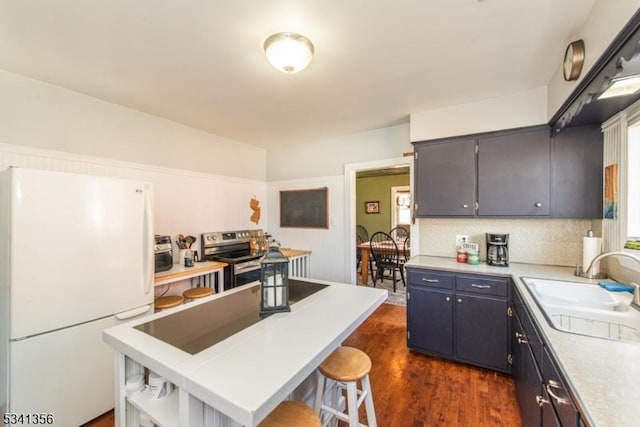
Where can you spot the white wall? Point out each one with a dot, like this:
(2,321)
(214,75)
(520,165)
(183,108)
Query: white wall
(511,111)
(327,245)
(606,19)
(37,114)
(327,157)
(321,164)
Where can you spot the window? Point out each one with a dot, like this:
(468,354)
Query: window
(633,186)
(401,202)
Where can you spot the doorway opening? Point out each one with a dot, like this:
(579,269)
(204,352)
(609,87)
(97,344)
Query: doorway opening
(355,210)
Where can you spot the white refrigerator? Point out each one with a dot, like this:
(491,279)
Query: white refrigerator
(76,257)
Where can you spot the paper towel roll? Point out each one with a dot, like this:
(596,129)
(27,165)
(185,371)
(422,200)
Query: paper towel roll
(591,247)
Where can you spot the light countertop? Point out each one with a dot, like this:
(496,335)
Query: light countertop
(248,374)
(601,373)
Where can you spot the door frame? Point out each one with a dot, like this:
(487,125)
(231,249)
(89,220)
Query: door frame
(350,170)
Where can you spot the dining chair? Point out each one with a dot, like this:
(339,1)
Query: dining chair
(406,249)
(362,233)
(386,256)
(399,233)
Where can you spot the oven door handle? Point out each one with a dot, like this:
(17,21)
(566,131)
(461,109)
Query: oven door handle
(249,266)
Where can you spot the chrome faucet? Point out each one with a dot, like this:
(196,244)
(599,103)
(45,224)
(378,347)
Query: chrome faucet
(636,289)
(589,275)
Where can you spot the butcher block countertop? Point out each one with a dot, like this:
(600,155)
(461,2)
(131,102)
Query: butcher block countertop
(292,253)
(180,272)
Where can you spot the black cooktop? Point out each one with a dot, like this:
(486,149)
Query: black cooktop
(204,325)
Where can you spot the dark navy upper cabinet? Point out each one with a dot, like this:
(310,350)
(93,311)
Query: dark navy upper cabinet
(446,178)
(576,173)
(511,173)
(514,172)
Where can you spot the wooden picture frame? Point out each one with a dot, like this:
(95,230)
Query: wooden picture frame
(304,208)
(372,207)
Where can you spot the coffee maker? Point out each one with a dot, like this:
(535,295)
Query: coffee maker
(498,250)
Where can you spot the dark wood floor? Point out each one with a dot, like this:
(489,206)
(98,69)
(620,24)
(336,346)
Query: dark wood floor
(415,390)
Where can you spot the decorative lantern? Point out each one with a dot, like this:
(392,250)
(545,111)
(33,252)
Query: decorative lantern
(274,278)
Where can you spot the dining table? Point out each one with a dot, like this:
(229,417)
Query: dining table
(365,249)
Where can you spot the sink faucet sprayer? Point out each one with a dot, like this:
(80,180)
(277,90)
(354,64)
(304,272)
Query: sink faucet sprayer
(587,273)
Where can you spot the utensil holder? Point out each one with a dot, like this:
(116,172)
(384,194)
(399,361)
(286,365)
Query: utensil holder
(181,255)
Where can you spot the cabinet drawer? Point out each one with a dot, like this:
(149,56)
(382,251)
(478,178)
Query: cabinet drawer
(557,390)
(488,286)
(431,279)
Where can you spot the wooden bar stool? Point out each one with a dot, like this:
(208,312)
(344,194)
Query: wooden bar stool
(198,292)
(170,301)
(339,372)
(291,413)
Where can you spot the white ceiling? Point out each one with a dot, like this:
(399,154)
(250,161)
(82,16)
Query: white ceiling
(200,62)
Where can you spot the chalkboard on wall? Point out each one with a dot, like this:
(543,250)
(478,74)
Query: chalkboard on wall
(304,208)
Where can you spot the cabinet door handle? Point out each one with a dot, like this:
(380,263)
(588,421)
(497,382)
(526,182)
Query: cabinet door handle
(447,299)
(554,384)
(430,280)
(538,205)
(473,285)
(521,338)
(459,300)
(541,401)
(465,206)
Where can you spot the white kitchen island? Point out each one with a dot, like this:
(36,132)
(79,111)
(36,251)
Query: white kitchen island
(252,364)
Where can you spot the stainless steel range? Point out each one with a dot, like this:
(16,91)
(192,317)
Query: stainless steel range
(236,249)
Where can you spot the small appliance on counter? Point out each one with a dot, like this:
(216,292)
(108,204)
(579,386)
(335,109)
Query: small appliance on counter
(163,253)
(498,250)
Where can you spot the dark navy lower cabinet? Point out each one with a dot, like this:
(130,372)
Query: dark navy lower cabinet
(541,391)
(459,316)
(431,317)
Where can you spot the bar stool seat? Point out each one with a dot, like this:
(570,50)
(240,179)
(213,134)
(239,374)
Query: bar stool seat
(291,413)
(195,293)
(169,301)
(340,372)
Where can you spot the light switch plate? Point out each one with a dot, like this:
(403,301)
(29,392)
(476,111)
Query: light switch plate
(461,239)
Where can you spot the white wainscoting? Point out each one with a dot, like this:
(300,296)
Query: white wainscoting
(185,202)
(326,245)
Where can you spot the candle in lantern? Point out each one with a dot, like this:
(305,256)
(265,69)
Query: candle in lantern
(271,294)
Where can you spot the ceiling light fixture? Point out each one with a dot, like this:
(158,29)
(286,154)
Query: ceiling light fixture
(288,52)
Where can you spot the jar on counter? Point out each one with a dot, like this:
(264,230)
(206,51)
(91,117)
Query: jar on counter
(473,257)
(461,256)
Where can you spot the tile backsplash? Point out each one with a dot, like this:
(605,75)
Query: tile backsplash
(533,241)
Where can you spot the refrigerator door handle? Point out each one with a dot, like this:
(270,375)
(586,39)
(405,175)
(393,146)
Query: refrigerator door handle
(133,313)
(148,241)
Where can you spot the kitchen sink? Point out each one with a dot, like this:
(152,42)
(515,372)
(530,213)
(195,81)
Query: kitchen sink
(586,309)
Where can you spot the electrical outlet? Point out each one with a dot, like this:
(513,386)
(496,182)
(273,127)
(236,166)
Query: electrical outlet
(461,239)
